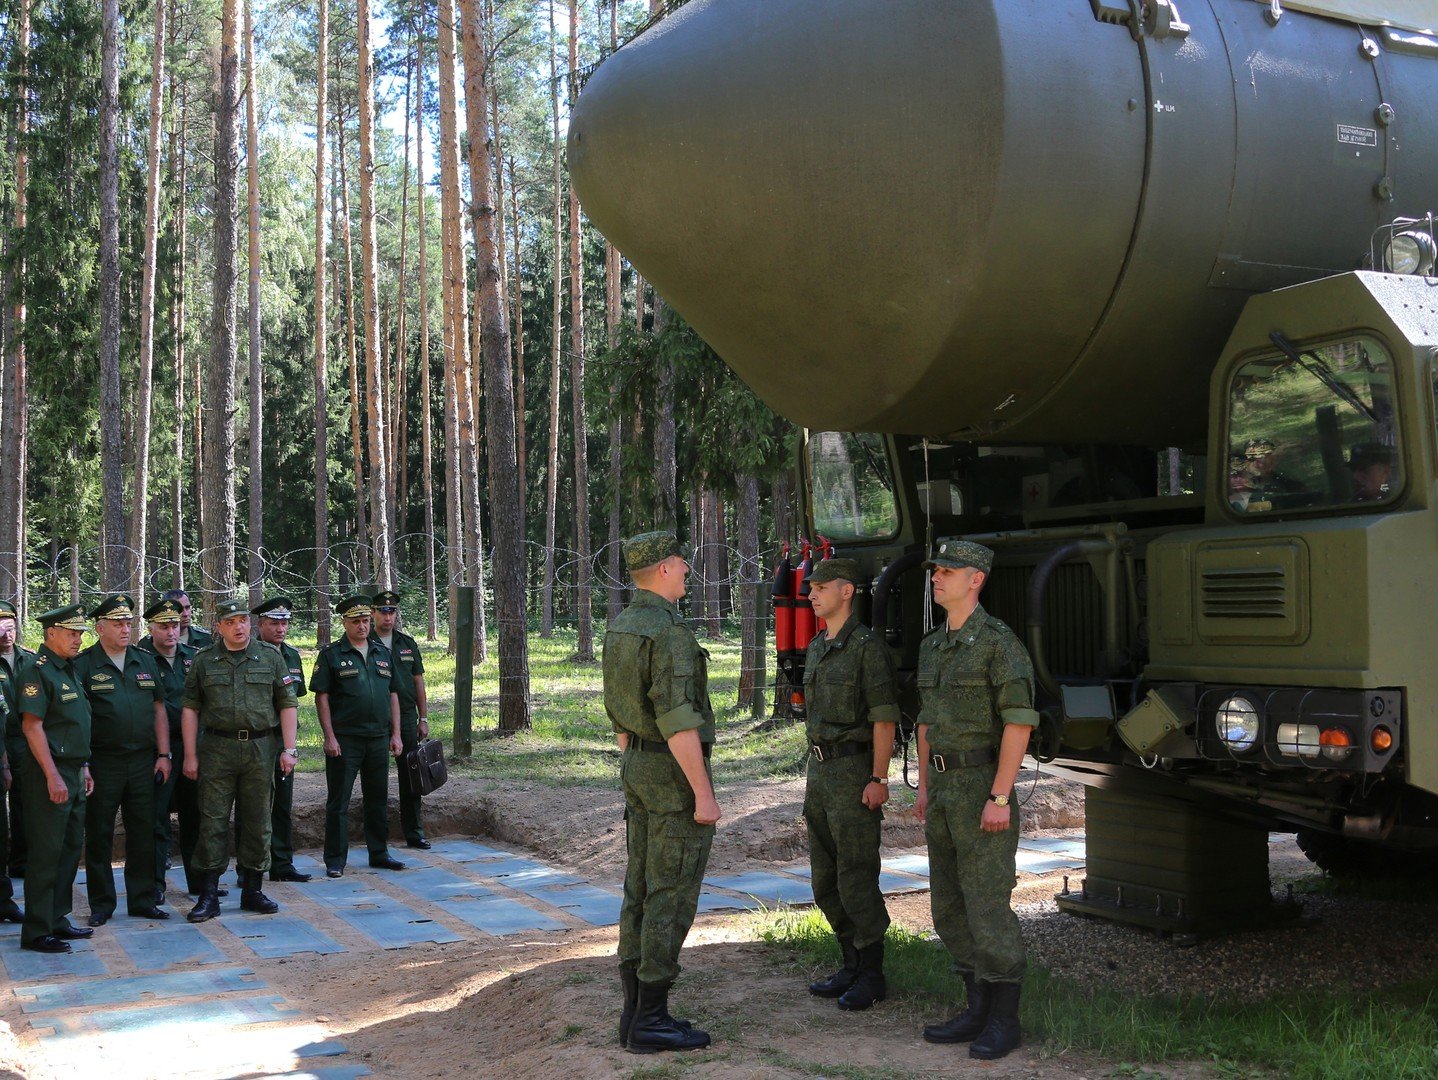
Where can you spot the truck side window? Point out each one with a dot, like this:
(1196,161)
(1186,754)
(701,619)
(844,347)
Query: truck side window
(851,486)
(1314,434)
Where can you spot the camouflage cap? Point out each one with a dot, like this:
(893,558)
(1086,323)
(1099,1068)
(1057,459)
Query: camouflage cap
(276,607)
(115,606)
(650,548)
(958,554)
(8,609)
(70,617)
(385,600)
(163,611)
(354,607)
(227,609)
(1365,454)
(835,570)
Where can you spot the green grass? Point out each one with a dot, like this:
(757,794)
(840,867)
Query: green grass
(1389,1034)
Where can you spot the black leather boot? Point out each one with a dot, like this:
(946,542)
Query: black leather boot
(835,985)
(251,898)
(966,1026)
(869,987)
(1001,1033)
(207,902)
(629,979)
(652,1029)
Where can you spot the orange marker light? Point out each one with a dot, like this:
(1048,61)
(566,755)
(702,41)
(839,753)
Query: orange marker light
(1335,736)
(1381,740)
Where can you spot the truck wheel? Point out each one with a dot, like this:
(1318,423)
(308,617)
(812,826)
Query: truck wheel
(1344,857)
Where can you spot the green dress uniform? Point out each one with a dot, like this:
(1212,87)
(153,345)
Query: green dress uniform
(282,840)
(973,681)
(359,685)
(122,764)
(656,685)
(12,861)
(55,832)
(179,791)
(407,664)
(848,687)
(238,696)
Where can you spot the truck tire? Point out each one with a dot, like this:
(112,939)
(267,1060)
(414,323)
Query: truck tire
(1344,857)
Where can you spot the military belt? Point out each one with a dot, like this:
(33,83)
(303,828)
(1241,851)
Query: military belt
(244,734)
(830,751)
(649,746)
(959,759)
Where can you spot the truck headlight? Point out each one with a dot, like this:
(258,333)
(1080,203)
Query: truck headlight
(1410,253)
(1236,724)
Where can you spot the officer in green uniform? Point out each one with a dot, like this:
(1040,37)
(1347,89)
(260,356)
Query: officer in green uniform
(196,637)
(12,753)
(172,660)
(413,704)
(976,689)
(273,622)
(358,709)
(657,696)
(852,715)
(238,693)
(129,756)
(56,720)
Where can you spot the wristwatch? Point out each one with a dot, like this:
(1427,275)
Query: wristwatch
(999,800)
(292,751)
(166,757)
(879,780)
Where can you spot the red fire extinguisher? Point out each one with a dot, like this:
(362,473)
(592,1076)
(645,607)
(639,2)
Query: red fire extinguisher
(782,590)
(803,610)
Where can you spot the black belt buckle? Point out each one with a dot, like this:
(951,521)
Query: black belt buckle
(937,761)
(817,752)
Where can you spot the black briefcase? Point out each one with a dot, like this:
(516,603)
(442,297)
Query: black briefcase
(422,769)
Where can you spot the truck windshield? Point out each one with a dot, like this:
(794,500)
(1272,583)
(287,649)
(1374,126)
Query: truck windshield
(1317,432)
(851,486)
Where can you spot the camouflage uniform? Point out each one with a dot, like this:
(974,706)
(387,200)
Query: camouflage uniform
(179,790)
(848,687)
(359,688)
(12,834)
(122,764)
(973,681)
(238,696)
(407,664)
(655,686)
(282,842)
(55,832)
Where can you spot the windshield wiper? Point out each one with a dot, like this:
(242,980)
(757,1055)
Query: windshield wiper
(1319,370)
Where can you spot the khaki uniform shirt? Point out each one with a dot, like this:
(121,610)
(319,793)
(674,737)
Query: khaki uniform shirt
(235,691)
(656,677)
(973,681)
(122,703)
(407,664)
(50,689)
(848,685)
(359,686)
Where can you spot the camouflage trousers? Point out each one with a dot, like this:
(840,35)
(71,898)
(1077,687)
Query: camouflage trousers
(124,784)
(238,775)
(844,849)
(971,876)
(668,851)
(56,835)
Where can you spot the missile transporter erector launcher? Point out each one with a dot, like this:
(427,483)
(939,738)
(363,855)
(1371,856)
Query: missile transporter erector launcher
(1029,247)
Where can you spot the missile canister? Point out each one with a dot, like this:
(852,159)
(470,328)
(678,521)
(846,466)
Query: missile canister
(1002,220)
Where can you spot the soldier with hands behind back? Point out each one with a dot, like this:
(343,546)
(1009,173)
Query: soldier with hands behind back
(413,704)
(172,661)
(273,621)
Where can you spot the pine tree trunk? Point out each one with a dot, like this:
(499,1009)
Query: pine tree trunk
(521,439)
(666,495)
(321,361)
(716,569)
(113,559)
(379,481)
(140,502)
(509,598)
(584,600)
(177,486)
(551,477)
(256,483)
(218,444)
(14,430)
(751,619)
(399,412)
(362,530)
(426,406)
(613,313)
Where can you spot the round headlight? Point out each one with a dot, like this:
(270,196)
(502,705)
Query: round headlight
(1237,724)
(1410,253)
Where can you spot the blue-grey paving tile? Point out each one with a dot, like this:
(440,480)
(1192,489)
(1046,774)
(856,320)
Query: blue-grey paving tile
(907,864)
(531,881)
(890,883)
(132,989)
(1037,864)
(433,883)
(510,864)
(598,907)
(771,888)
(499,916)
(117,874)
(280,935)
(392,925)
(327,1072)
(224,1012)
(156,946)
(1049,843)
(10,929)
(463,851)
(27,966)
(711,901)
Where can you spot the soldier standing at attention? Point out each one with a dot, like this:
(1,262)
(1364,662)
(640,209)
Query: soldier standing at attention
(359,714)
(657,697)
(239,691)
(12,753)
(413,705)
(273,616)
(56,720)
(173,661)
(129,750)
(976,690)
(195,637)
(853,713)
